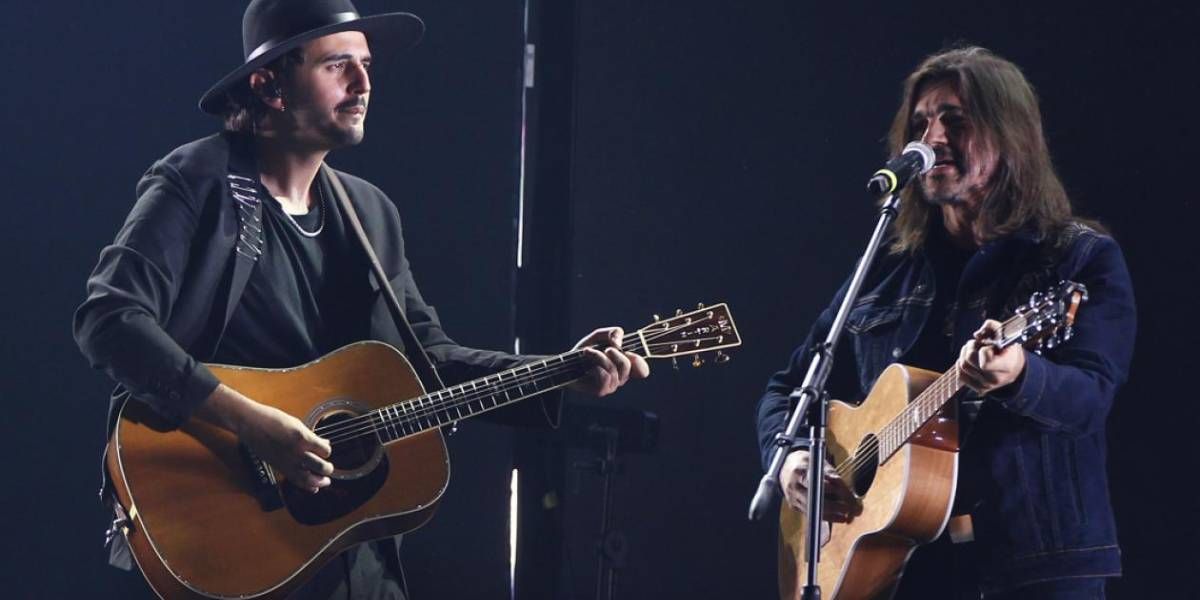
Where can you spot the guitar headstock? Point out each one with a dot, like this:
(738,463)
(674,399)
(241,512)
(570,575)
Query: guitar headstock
(708,328)
(1047,319)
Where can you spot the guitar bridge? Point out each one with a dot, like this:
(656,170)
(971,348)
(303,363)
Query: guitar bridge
(121,523)
(266,488)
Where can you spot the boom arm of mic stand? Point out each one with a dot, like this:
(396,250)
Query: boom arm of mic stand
(813,388)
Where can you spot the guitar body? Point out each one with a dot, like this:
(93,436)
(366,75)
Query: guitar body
(207,524)
(907,501)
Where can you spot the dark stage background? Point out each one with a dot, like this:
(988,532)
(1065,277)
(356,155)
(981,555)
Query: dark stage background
(718,154)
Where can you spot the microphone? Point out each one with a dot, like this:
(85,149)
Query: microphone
(915,158)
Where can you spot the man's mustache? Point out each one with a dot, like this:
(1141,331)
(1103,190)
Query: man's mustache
(355,103)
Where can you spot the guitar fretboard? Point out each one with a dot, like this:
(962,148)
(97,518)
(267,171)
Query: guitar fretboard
(929,402)
(705,329)
(465,400)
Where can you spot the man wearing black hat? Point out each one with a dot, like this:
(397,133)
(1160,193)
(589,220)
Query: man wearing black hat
(238,252)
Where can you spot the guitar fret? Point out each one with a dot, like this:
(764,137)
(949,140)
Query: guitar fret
(385,428)
(388,422)
(377,426)
(392,425)
(464,400)
(412,414)
(429,412)
(400,419)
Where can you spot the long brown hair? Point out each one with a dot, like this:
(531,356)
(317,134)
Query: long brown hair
(1003,109)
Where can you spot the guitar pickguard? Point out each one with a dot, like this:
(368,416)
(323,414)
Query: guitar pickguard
(338,500)
(360,464)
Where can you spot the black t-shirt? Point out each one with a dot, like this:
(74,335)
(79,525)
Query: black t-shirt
(308,295)
(934,348)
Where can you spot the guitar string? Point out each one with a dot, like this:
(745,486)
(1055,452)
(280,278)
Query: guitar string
(426,411)
(541,369)
(892,431)
(947,386)
(425,406)
(887,434)
(398,420)
(943,385)
(395,418)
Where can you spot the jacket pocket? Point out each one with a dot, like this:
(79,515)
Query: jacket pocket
(866,319)
(874,334)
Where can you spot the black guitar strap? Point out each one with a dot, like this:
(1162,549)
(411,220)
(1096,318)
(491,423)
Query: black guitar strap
(413,349)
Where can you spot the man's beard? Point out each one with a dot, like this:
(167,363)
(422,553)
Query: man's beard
(348,136)
(939,196)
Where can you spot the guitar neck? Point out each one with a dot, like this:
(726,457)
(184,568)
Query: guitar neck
(702,330)
(463,401)
(935,397)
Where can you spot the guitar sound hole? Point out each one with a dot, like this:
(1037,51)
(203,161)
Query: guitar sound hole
(359,462)
(351,449)
(866,463)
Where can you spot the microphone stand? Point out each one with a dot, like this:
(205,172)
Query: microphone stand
(812,407)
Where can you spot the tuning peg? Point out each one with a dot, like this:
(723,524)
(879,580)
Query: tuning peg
(675,363)
(697,361)
(700,305)
(721,358)
(655,318)
(678,312)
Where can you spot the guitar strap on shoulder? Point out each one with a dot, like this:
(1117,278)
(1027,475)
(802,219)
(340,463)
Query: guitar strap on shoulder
(415,351)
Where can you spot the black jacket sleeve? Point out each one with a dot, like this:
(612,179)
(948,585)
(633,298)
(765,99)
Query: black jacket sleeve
(774,405)
(120,326)
(1072,388)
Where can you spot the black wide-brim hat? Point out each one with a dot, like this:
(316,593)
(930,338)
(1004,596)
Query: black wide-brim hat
(270,28)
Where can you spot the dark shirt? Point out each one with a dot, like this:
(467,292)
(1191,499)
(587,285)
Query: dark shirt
(306,297)
(934,349)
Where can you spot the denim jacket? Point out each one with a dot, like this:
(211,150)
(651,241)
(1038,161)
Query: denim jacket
(1032,471)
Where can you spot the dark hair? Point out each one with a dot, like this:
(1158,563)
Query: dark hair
(243,108)
(1003,109)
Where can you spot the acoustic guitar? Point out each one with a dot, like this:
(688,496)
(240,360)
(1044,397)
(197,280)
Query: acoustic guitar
(898,452)
(207,519)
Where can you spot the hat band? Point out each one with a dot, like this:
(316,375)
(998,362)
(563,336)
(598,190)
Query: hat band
(335,19)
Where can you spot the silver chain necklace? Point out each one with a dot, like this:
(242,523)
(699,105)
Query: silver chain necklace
(320,207)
